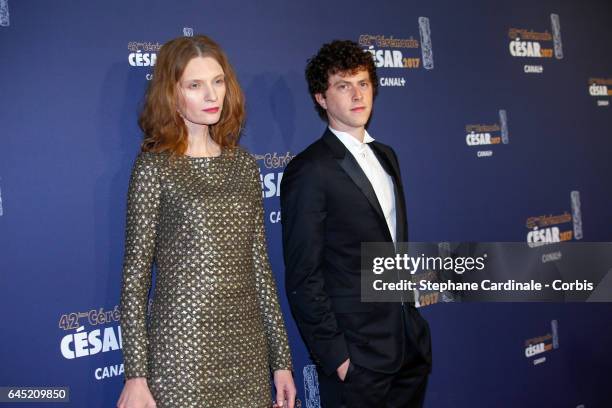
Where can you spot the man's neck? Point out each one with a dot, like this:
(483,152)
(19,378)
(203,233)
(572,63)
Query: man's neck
(357,133)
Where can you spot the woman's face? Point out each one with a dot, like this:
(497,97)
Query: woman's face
(201,91)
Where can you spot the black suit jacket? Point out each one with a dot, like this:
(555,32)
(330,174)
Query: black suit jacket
(328,209)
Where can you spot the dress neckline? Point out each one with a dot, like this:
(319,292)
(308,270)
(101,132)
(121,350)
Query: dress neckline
(206,158)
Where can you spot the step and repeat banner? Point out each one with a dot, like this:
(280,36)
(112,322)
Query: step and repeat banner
(499,113)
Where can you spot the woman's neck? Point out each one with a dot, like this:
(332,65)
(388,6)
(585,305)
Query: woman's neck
(200,144)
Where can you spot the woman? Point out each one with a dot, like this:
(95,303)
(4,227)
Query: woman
(195,208)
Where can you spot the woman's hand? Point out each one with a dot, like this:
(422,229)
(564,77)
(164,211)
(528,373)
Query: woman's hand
(136,394)
(285,389)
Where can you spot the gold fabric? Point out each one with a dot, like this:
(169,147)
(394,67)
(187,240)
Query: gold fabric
(215,327)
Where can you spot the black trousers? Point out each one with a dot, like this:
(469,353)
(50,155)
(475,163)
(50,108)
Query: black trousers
(364,388)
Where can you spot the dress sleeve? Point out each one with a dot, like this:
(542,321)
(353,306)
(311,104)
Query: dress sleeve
(140,237)
(274,325)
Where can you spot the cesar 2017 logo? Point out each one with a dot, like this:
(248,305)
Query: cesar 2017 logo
(390,52)
(4,14)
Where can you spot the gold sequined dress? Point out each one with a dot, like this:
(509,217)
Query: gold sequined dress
(215,328)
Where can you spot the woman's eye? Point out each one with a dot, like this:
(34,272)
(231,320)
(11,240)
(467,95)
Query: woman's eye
(194,85)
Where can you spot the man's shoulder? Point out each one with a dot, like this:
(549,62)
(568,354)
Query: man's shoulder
(384,147)
(315,151)
(313,154)
(387,150)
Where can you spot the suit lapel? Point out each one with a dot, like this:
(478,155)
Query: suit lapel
(348,163)
(388,164)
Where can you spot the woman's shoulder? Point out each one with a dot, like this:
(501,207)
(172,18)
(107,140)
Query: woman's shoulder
(242,156)
(152,157)
(150,160)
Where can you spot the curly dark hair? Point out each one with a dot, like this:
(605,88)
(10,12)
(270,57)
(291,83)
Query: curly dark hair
(343,56)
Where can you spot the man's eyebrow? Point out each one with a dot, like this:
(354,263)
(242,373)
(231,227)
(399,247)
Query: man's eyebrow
(339,81)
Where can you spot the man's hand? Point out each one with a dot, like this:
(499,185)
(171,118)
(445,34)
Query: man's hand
(285,389)
(342,370)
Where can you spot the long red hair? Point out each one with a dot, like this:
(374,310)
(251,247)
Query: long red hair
(162,125)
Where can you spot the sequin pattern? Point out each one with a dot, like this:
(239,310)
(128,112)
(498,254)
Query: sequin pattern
(215,327)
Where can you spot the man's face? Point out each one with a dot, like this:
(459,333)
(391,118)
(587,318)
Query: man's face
(348,101)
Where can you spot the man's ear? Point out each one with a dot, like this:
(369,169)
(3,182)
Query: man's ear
(320,98)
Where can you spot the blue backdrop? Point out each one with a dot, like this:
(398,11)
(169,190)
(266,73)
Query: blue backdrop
(499,113)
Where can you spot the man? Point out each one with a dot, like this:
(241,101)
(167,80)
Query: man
(345,189)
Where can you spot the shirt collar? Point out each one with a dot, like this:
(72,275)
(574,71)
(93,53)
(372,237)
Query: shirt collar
(351,142)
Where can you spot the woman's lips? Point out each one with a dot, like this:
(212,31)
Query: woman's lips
(211,110)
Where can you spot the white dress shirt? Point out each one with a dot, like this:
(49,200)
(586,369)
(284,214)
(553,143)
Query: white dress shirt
(381,182)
